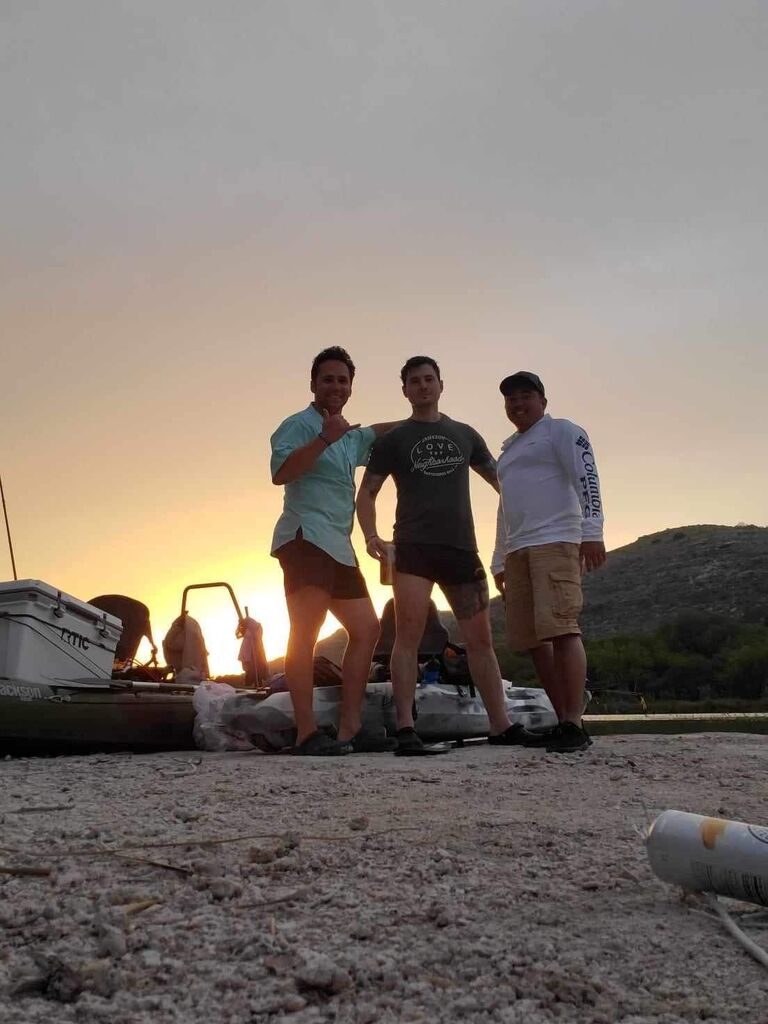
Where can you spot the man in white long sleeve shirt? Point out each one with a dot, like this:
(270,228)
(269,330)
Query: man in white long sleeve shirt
(550,529)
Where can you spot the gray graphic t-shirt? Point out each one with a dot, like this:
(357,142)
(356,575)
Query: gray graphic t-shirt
(430,465)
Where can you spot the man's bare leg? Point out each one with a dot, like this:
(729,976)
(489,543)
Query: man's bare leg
(570,661)
(307,608)
(469,603)
(359,619)
(412,594)
(543,658)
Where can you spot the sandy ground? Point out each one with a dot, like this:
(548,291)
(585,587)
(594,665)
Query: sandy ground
(483,885)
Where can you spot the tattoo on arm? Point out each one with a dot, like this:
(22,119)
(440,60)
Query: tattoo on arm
(372,483)
(487,470)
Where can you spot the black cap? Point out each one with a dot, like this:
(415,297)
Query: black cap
(521,379)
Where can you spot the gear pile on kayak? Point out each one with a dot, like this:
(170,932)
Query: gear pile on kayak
(231,719)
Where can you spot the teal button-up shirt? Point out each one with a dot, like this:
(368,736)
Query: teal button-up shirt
(322,501)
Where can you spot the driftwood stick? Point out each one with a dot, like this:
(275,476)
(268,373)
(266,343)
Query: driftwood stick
(129,909)
(41,810)
(270,903)
(274,835)
(214,842)
(21,869)
(151,863)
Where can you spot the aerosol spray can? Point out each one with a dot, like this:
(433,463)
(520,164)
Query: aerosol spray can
(710,855)
(387,566)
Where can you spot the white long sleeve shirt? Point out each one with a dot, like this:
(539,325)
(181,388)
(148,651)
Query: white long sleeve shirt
(550,490)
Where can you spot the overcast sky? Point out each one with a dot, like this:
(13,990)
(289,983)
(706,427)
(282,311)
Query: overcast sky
(198,197)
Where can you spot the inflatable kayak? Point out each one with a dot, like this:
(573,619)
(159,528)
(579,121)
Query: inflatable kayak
(444,712)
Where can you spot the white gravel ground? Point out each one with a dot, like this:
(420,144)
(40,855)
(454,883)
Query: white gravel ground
(494,885)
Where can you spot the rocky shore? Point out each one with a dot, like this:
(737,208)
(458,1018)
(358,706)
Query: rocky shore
(487,885)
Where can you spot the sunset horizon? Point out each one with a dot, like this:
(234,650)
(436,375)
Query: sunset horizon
(199,204)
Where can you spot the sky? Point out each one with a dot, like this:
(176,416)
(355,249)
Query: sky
(198,197)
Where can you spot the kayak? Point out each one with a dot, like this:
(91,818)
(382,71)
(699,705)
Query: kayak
(443,712)
(51,716)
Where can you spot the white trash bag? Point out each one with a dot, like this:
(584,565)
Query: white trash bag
(444,712)
(269,723)
(530,706)
(210,729)
(450,712)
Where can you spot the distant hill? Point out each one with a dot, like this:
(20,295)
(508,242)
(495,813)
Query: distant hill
(722,569)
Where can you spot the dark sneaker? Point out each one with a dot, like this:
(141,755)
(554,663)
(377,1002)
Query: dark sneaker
(373,741)
(320,744)
(540,739)
(567,739)
(408,741)
(514,736)
(409,744)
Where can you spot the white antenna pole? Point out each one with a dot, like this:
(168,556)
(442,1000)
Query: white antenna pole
(8,530)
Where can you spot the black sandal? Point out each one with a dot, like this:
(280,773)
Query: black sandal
(410,744)
(320,744)
(373,741)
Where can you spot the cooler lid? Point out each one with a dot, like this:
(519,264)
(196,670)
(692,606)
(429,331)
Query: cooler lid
(34,590)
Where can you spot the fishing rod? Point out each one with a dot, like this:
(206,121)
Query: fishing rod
(8,529)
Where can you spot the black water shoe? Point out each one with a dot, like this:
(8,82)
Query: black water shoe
(540,739)
(373,741)
(568,738)
(320,744)
(410,744)
(513,736)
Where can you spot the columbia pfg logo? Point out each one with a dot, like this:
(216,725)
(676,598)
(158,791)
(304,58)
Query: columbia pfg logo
(582,442)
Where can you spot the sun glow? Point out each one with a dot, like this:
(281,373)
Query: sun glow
(217,617)
(255,580)
(218,621)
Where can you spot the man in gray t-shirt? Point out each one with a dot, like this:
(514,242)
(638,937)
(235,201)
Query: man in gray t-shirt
(430,463)
(429,456)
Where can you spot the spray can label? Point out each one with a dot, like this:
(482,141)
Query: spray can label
(703,854)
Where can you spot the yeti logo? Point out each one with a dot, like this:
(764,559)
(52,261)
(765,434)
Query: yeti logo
(435,455)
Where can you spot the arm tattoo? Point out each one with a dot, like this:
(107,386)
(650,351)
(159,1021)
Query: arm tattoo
(372,483)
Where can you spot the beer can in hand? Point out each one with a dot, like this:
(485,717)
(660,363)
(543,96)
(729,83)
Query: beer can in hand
(387,567)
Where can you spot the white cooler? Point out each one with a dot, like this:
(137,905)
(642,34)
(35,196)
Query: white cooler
(46,634)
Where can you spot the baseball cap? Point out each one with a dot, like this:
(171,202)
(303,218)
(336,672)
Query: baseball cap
(521,379)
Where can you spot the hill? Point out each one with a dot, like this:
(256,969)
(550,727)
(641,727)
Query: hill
(719,569)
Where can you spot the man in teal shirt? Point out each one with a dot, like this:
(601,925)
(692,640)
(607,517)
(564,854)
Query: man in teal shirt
(314,455)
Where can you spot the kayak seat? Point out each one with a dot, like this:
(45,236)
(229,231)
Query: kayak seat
(435,643)
(433,640)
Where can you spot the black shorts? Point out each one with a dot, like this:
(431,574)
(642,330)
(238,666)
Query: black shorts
(440,563)
(306,565)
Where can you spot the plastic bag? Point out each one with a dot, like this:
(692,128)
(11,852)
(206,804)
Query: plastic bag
(270,725)
(530,706)
(210,731)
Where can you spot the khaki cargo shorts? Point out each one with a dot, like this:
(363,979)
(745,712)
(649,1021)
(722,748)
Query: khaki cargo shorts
(543,593)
